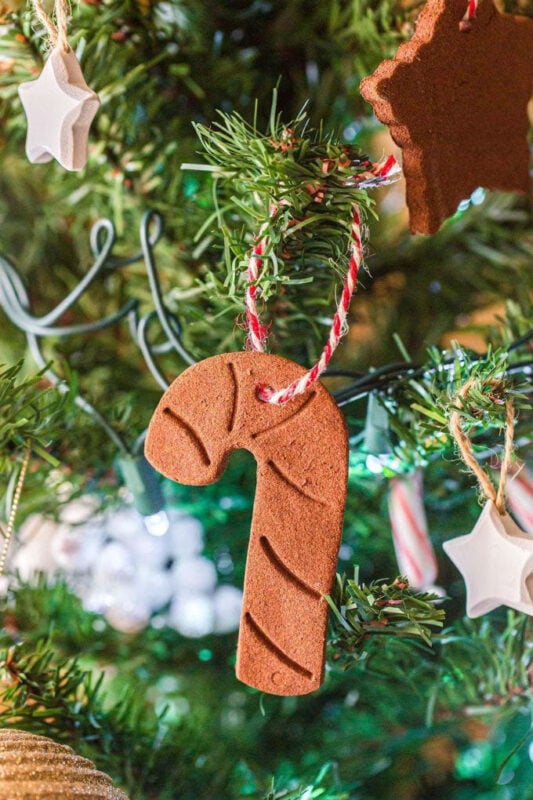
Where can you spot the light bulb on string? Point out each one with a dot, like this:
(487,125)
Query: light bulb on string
(477,198)
(372,452)
(143,484)
(157,524)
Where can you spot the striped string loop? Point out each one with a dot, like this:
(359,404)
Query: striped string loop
(378,174)
(466,23)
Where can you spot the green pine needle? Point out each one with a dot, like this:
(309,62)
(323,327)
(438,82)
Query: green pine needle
(30,413)
(293,182)
(361,613)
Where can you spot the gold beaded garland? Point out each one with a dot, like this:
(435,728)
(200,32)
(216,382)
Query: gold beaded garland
(36,768)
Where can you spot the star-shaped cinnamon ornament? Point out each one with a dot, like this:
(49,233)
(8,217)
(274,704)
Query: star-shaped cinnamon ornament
(456,103)
(60,108)
(496,561)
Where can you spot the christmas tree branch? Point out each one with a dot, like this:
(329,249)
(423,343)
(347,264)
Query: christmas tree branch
(31,415)
(48,691)
(361,613)
(420,400)
(54,696)
(293,184)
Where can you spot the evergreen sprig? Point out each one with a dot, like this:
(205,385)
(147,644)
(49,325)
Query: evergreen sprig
(294,184)
(316,790)
(51,695)
(475,669)
(420,405)
(381,609)
(482,672)
(31,414)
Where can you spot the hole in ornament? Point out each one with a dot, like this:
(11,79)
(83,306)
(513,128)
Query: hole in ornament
(529,586)
(261,390)
(287,420)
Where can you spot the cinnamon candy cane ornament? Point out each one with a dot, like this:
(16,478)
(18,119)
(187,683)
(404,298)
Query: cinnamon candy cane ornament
(301,450)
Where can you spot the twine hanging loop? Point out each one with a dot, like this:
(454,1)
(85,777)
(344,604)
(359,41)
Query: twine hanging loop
(57,31)
(378,174)
(467,452)
(470,14)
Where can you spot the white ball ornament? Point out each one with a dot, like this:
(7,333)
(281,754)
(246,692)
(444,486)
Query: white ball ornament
(76,549)
(156,587)
(186,535)
(192,615)
(35,555)
(129,612)
(124,524)
(227,602)
(195,575)
(151,551)
(80,511)
(123,572)
(115,565)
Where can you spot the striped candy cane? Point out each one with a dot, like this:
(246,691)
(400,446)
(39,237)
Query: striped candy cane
(377,175)
(414,551)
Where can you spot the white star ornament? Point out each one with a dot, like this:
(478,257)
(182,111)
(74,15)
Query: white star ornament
(59,107)
(496,562)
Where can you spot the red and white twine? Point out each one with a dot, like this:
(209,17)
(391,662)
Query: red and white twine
(257,332)
(466,23)
(378,174)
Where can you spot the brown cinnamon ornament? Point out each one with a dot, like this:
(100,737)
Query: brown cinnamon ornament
(456,103)
(301,450)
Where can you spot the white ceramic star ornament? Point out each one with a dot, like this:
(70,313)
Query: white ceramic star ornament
(60,108)
(496,558)
(496,562)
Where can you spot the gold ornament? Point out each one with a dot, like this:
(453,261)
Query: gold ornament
(36,768)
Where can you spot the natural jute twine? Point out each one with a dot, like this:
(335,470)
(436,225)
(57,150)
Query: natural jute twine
(57,31)
(465,447)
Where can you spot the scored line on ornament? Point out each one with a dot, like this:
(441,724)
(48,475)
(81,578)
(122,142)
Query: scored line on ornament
(289,419)
(271,645)
(189,430)
(235,395)
(294,486)
(280,565)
